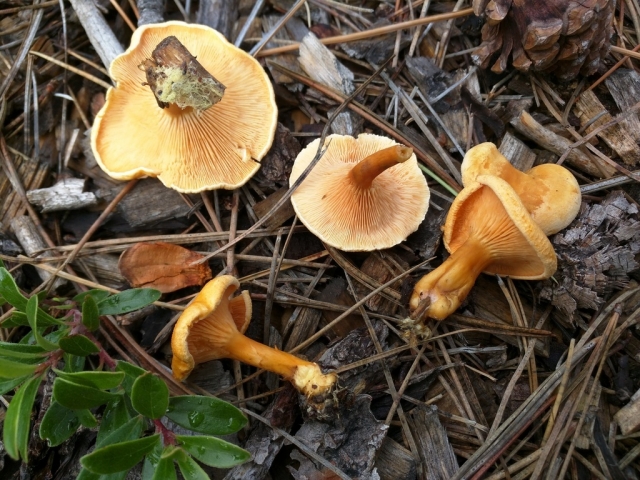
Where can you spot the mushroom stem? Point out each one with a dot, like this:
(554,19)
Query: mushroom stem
(365,172)
(305,376)
(449,284)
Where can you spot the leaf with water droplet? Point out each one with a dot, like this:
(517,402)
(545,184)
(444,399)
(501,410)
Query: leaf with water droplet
(189,469)
(205,415)
(213,451)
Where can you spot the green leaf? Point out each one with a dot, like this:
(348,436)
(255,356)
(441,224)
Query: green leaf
(11,369)
(151,461)
(58,424)
(17,319)
(86,418)
(32,316)
(165,470)
(205,414)
(73,363)
(17,419)
(213,451)
(150,396)
(119,456)
(9,291)
(97,379)
(78,345)
(6,349)
(97,294)
(128,301)
(132,373)
(87,475)
(76,396)
(8,385)
(128,431)
(114,416)
(90,314)
(188,466)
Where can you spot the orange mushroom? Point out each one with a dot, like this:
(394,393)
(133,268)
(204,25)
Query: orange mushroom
(213,326)
(365,193)
(187,149)
(488,229)
(550,192)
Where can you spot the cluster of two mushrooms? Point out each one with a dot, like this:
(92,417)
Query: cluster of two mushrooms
(169,118)
(497,224)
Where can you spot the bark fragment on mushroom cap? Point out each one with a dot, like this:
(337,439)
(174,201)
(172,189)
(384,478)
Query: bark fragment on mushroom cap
(351,218)
(550,192)
(132,137)
(203,329)
(519,247)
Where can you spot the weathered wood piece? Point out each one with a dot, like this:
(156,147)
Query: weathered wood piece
(349,441)
(150,11)
(394,462)
(150,203)
(287,60)
(436,454)
(517,152)
(587,107)
(530,128)
(628,417)
(219,15)
(323,67)
(175,76)
(67,194)
(32,174)
(97,29)
(596,254)
(104,267)
(31,242)
(284,213)
(624,86)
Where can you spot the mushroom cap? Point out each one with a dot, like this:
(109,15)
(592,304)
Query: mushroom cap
(550,192)
(219,148)
(520,249)
(348,217)
(204,327)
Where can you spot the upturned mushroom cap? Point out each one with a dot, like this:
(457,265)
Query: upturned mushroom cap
(550,192)
(351,218)
(203,329)
(133,137)
(488,229)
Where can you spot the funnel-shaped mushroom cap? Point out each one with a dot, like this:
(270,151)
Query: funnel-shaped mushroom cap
(550,192)
(488,229)
(204,328)
(212,327)
(345,215)
(133,137)
(519,247)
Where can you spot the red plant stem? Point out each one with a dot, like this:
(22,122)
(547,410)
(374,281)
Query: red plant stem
(168,437)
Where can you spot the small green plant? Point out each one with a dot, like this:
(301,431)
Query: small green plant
(131,402)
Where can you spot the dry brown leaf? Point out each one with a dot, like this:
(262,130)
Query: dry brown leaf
(163,266)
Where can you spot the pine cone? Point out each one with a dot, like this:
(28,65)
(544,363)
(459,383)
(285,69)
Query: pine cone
(564,37)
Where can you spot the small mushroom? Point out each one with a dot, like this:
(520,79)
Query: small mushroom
(213,326)
(550,192)
(189,150)
(488,229)
(365,193)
